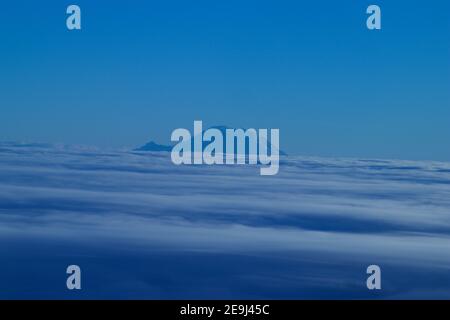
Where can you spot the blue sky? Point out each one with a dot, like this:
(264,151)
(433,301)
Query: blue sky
(138,70)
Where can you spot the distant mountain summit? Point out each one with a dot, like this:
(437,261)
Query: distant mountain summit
(153,146)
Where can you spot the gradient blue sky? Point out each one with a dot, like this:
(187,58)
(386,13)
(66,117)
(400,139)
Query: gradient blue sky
(139,69)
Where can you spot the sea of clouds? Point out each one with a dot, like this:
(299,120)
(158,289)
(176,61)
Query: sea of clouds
(141,227)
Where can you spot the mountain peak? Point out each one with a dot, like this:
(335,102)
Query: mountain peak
(153,146)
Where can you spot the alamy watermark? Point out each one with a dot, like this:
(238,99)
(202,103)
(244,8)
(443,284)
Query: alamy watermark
(227,146)
(73,21)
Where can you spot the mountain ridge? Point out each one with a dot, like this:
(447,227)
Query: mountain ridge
(152,146)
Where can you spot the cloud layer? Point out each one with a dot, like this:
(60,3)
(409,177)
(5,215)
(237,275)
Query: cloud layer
(143,226)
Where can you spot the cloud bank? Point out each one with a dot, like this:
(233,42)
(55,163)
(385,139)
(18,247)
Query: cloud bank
(308,232)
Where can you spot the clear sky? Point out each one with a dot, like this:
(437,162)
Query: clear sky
(139,69)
